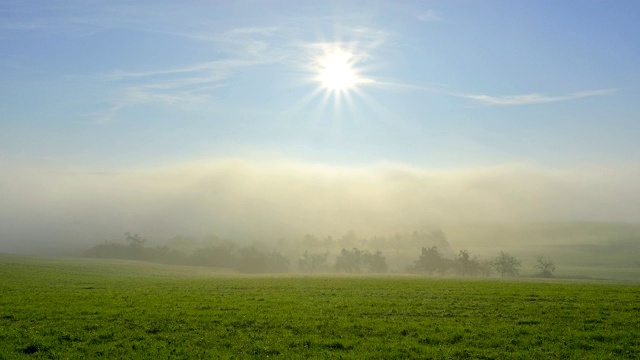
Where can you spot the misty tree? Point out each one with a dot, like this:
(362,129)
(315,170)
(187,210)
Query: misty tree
(327,243)
(357,261)
(134,249)
(224,255)
(431,260)
(183,243)
(135,240)
(486,268)
(545,265)
(254,260)
(313,262)
(438,238)
(375,263)
(466,265)
(415,239)
(109,250)
(349,261)
(506,264)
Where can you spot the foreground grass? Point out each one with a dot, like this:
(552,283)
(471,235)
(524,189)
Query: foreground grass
(88,308)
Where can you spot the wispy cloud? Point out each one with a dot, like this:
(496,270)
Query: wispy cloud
(531,99)
(241,47)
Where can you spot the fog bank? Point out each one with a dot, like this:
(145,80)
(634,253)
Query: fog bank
(44,209)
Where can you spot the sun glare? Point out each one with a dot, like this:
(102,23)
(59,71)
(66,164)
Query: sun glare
(336,72)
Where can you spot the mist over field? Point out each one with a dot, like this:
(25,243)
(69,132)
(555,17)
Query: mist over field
(319,179)
(63,211)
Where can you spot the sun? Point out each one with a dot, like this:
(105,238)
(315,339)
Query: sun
(339,71)
(336,71)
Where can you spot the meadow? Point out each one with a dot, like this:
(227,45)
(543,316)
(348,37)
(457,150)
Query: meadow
(89,308)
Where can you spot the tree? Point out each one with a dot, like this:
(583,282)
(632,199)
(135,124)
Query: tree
(486,268)
(349,261)
(431,260)
(506,264)
(223,254)
(546,266)
(135,241)
(465,265)
(438,238)
(374,263)
(357,261)
(252,259)
(313,262)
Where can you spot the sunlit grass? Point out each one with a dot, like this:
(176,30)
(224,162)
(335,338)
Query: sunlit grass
(87,308)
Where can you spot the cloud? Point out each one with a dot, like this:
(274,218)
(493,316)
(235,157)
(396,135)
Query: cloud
(243,47)
(272,198)
(530,99)
(237,48)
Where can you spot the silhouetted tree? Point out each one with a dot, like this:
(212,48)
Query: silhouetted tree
(374,263)
(546,266)
(506,264)
(465,265)
(135,240)
(357,261)
(349,261)
(431,261)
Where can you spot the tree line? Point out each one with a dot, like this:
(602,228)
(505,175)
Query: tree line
(260,259)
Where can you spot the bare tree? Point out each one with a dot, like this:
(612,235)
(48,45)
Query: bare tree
(545,265)
(135,241)
(506,264)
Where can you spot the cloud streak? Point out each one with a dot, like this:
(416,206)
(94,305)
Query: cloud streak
(532,99)
(241,48)
(244,47)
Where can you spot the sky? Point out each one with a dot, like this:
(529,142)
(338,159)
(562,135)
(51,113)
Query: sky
(161,116)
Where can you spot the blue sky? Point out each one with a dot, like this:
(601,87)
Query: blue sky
(227,117)
(454,83)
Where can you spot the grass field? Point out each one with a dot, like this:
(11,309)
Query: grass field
(67,308)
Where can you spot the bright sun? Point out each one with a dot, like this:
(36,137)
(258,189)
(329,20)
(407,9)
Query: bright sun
(336,72)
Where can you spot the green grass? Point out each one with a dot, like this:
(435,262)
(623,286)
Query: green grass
(51,308)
